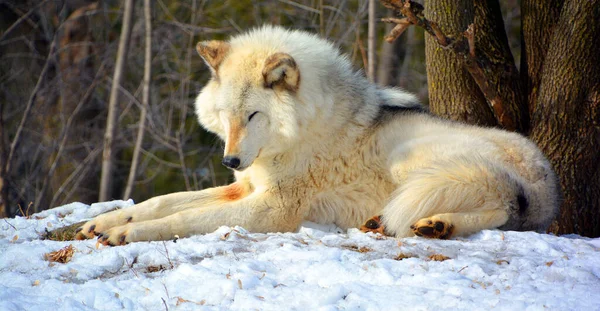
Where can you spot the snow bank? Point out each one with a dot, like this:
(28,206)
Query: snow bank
(318,268)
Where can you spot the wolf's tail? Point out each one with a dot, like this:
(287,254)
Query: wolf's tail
(467,185)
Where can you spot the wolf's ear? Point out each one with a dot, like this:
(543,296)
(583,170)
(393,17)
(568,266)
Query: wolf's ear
(281,70)
(213,53)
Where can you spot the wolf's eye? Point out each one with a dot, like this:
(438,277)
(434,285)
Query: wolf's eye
(252,116)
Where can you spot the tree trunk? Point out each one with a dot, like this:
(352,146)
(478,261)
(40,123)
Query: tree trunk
(538,19)
(145,100)
(500,70)
(566,119)
(452,92)
(107,155)
(371,44)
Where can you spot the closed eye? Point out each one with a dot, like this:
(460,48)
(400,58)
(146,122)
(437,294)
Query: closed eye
(252,116)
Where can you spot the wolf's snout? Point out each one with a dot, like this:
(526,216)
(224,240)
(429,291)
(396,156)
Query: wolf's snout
(231,162)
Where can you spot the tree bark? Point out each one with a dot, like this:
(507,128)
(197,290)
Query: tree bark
(566,119)
(500,70)
(538,19)
(107,155)
(452,92)
(145,100)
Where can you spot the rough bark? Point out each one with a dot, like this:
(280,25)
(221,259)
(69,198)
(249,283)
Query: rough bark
(566,119)
(107,155)
(452,92)
(500,70)
(145,100)
(538,19)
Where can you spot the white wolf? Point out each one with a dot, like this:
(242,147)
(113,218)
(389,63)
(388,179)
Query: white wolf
(311,139)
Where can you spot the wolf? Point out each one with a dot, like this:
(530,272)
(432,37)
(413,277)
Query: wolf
(309,138)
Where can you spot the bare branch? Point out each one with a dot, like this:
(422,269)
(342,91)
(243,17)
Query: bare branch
(21,19)
(470,35)
(17,139)
(401,25)
(65,134)
(479,66)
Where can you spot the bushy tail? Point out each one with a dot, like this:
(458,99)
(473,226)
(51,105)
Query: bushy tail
(451,186)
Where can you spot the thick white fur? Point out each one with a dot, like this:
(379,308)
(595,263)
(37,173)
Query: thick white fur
(340,150)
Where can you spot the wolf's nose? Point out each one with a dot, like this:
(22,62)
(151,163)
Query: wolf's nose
(231,162)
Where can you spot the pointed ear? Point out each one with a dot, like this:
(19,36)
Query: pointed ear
(213,53)
(281,70)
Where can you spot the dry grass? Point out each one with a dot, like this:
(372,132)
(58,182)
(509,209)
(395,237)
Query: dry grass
(402,256)
(62,234)
(438,257)
(151,269)
(62,255)
(355,248)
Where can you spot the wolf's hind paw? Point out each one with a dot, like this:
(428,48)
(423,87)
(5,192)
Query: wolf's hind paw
(375,225)
(433,229)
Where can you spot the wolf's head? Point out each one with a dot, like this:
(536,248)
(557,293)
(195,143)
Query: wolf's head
(256,100)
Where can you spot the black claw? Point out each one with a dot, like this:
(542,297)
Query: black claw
(439,226)
(92,228)
(122,239)
(429,222)
(100,236)
(413,227)
(129,219)
(418,234)
(78,229)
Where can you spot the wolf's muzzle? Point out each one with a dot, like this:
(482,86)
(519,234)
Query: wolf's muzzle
(231,162)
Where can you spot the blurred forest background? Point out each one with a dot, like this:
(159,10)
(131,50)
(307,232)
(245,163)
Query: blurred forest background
(57,63)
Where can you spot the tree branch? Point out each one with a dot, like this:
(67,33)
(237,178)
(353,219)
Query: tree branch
(481,68)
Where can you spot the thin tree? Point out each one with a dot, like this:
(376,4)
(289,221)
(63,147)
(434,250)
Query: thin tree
(371,44)
(145,100)
(109,135)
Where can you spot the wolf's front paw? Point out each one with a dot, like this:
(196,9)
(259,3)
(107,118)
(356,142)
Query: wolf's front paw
(101,223)
(433,228)
(120,235)
(87,231)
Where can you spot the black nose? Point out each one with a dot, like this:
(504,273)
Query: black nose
(231,162)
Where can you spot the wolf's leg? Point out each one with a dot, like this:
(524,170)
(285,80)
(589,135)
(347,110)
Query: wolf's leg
(162,206)
(444,226)
(257,214)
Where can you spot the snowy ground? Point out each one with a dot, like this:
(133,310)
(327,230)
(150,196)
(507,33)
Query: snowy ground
(314,269)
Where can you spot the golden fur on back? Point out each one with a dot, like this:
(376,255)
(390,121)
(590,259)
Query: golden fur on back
(311,139)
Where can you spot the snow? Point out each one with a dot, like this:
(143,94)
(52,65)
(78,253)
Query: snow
(317,268)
